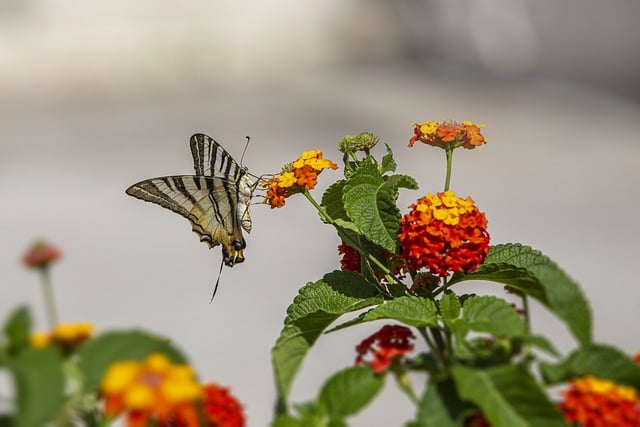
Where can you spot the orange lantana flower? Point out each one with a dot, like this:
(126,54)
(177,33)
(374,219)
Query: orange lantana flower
(445,234)
(221,408)
(41,254)
(595,402)
(448,134)
(296,177)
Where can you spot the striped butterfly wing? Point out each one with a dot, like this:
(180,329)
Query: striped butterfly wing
(215,200)
(211,159)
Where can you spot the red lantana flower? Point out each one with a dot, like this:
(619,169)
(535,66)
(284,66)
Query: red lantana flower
(350,258)
(221,408)
(41,254)
(593,402)
(444,234)
(389,343)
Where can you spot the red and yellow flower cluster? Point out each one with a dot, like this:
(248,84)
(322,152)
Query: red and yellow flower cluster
(166,394)
(593,402)
(389,343)
(445,234)
(296,177)
(448,134)
(41,254)
(66,335)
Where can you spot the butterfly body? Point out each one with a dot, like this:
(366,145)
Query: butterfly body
(215,200)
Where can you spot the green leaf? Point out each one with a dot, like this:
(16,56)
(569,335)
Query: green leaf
(493,315)
(370,204)
(286,421)
(542,343)
(518,278)
(598,360)
(410,310)
(508,396)
(312,311)
(96,355)
(449,307)
(388,163)
(332,200)
(441,406)
(39,383)
(349,390)
(560,293)
(6,421)
(18,328)
(402,181)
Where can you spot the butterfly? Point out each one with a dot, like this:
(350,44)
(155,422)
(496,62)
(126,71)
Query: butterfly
(215,200)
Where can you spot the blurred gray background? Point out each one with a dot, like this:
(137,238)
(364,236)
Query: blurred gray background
(95,96)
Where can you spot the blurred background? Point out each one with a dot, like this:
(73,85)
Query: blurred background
(95,96)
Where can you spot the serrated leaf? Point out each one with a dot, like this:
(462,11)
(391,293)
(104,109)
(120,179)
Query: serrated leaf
(493,315)
(96,355)
(508,396)
(598,360)
(312,311)
(449,307)
(346,392)
(518,278)
(402,181)
(39,383)
(410,310)
(18,328)
(332,200)
(440,406)
(559,292)
(370,204)
(388,163)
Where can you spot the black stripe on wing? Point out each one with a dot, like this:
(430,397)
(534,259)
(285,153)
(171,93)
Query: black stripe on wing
(211,159)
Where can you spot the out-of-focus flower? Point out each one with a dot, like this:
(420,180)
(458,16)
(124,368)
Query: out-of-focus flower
(388,344)
(595,402)
(296,177)
(67,335)
(448,134)
(351,261)
(152,391)
(361,142)
(445,234)
(637,357)
(221,407)
(41,254)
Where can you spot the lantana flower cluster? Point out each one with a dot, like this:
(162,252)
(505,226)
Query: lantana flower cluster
(388,344)
(594,402)
(41,254)
(296,177)
(445,234)
(448,134)
(166,394)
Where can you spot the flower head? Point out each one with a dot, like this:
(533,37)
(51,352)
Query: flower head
(361,142)
(388,344)
(41,254)
(592,401)
(448,134)
(67,335)
(445,234)
(296,177)
(154,390)
(221,408)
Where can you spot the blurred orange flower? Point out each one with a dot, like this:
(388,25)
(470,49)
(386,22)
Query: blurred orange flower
(68,335)
(41,254)
(152,391)
(389,343)
(591,401)
(221,408)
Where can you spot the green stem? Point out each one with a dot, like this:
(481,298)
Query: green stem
(356,245)
(445,284)
(437,354)
(447,182)
(49,300)
(405,385)
(527,322)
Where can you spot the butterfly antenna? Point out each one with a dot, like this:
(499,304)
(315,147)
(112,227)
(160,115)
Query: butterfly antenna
(215,289)
(246,145)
